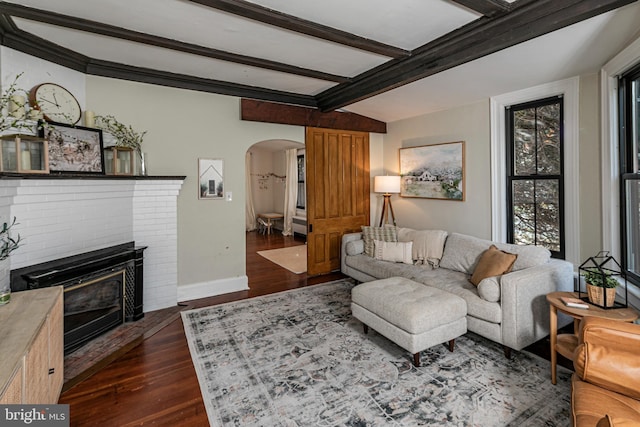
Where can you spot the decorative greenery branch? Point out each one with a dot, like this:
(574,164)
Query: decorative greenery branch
(6,98)
(125,135)
(7,243)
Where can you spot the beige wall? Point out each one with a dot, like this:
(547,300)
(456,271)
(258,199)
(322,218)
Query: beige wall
(469,123)
(590,174)
(262,189)
(183,126)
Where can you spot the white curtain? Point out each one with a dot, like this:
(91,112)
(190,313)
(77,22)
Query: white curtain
(290,191)
(250,212)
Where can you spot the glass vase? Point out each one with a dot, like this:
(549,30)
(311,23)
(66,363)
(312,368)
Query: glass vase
(5,281)
(143,164)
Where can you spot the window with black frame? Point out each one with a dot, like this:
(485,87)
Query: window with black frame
(629,95)
(535,201)
(302,188)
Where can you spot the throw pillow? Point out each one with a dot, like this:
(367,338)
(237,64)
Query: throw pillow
(386,233)
(354,247)
(493,262)
(489,289)
(393,251)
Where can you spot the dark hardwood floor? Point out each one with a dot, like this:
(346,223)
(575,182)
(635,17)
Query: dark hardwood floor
(155,383)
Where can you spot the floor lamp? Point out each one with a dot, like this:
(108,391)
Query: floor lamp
(386,185)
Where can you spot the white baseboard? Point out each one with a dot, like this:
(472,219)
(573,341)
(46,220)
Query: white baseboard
(213,288)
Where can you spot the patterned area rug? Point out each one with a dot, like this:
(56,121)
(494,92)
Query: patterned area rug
(293,258)
(299,358)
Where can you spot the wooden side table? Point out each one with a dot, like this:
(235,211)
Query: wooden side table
(565,344)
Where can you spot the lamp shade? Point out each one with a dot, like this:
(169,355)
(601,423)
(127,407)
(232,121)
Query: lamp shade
(386,184)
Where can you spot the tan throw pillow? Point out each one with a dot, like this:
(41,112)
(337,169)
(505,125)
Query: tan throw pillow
(493,262)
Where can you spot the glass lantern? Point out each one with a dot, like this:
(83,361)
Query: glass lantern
(118,160)
(24,154)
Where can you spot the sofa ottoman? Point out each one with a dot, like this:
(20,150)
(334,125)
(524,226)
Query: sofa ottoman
(412,315)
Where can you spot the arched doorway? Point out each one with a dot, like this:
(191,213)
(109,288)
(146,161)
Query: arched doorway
(266,172)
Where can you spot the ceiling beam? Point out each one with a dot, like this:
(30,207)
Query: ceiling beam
(152,40)
(486,7)
(282,20)
(183,81)
(270,112)
(475,40)
(44,49)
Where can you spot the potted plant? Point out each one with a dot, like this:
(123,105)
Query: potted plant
(7,245)
(600,283)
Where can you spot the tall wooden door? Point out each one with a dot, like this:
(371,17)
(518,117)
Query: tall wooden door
(338,193)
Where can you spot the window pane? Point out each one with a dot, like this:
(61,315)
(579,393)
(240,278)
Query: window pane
(633,226)
(302,196)
(548,141)
(536,213)
(548,214)
(524,142)
(524,212)
(301,176)
(536,135)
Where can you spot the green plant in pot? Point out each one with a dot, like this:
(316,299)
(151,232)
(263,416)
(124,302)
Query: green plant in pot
(8,244)
(600,283)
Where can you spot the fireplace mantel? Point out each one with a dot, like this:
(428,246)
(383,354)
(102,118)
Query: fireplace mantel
(12,175)
(62,215)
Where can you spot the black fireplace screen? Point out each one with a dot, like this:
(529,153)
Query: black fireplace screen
(93,307)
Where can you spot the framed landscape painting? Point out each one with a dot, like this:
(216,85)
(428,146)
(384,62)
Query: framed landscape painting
(433,171)
(74,149)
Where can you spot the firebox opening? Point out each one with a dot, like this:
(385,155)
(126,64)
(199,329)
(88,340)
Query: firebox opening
(93,307)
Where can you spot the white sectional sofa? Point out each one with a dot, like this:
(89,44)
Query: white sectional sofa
(510,309)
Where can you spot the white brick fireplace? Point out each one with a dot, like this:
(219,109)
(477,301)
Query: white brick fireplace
(63,216)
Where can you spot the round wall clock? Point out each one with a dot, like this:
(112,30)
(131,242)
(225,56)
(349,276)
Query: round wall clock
(56,103)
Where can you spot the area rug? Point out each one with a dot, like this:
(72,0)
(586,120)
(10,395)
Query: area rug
(299,358)
(293,258)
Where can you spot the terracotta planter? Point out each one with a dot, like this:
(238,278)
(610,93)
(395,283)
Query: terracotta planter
(596,295)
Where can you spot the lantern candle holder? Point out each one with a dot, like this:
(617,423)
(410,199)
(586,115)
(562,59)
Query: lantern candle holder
(118,160)
(24,154)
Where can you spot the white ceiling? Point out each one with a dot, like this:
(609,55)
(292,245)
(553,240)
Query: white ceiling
(408,24)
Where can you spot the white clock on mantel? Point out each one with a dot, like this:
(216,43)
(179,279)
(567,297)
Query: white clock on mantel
(56,103)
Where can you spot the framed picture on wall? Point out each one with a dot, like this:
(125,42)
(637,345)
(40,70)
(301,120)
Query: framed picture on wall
(210,179)
(73,149)
(433,171)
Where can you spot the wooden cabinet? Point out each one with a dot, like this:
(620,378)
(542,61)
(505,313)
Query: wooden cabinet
(31,350)
(13,391)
